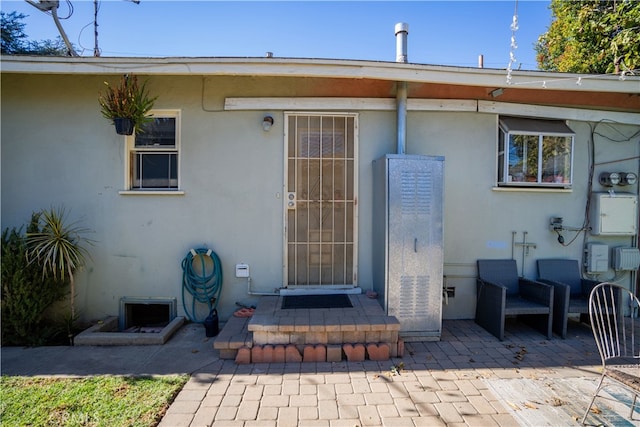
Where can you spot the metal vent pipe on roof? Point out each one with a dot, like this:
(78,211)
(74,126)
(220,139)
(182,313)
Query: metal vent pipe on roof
(401,30)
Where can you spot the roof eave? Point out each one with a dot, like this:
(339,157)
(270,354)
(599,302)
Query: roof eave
(328,68)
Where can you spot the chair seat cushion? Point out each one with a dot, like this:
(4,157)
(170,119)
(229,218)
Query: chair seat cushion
(578,305)
(517,305)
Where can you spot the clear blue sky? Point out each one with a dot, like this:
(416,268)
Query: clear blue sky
(440,32)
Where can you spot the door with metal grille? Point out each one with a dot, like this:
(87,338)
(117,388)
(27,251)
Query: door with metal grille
(321,200)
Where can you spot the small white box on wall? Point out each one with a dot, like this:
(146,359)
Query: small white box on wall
(242,270)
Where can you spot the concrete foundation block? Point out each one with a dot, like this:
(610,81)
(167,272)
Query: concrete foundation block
(372,336)
(334,353)
(228,354)
(354,336)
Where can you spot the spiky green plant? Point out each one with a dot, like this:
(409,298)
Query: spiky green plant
(60,248)
(26,294)
(127,100)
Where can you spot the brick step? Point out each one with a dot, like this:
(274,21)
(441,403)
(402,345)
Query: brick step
(290,353)
(364,322)
(234,335)
(274,334)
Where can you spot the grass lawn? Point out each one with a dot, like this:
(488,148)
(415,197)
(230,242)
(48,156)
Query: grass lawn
(109,401)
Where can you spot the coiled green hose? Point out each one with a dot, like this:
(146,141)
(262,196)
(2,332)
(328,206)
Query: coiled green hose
(201,280)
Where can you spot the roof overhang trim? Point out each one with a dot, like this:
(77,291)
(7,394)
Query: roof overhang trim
(327,68)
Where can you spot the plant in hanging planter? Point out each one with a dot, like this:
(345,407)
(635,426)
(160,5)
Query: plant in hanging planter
(126,105)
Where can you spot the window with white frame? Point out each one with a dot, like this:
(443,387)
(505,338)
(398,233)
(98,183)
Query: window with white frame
(153,153)
(534,153)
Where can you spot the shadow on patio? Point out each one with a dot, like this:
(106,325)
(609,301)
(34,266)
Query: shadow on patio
(467,378)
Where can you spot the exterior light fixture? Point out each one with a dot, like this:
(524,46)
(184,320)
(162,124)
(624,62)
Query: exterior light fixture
(609,179)
(496,92)
(267,122)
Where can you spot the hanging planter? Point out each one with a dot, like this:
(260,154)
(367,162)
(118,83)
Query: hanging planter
(126,105)
(124,125)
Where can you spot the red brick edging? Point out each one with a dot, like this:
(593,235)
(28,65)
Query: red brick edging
(281,353)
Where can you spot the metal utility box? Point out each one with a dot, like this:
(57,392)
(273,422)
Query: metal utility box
(614,214)
(408,241)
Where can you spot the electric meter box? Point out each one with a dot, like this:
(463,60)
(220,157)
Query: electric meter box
(614,214)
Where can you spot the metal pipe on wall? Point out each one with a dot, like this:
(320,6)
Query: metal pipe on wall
(635,275)
(251,292)
(401,106)
(401,31)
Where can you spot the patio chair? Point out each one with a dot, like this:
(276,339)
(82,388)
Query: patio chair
(502,293)
(571,291)
(617,338)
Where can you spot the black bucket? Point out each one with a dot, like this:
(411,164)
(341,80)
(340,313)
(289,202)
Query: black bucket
(211,324)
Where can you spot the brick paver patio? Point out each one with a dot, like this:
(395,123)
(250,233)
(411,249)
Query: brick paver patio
(447,382)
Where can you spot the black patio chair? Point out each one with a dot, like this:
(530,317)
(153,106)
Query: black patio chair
(502,293)
(571,291)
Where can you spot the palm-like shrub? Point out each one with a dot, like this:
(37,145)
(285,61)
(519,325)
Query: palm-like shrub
(59,248)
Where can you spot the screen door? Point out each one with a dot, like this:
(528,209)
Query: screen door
(320,200)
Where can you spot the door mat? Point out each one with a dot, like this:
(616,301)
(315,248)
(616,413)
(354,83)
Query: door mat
(316,301)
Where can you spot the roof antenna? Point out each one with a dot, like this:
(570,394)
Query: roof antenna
(96,49)
(52,7)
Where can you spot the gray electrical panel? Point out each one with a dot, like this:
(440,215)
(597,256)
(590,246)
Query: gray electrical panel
(408,241)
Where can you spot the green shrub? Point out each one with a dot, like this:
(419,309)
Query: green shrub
(26,293)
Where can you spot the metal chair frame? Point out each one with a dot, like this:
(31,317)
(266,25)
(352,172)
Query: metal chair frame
(617,338)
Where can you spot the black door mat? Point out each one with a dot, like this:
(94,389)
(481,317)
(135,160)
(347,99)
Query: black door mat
(316,301)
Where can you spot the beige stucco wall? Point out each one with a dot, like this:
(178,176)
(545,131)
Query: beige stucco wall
(58,150)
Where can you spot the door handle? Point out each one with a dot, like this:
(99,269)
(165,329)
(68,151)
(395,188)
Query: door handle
(291,200)
(415,245)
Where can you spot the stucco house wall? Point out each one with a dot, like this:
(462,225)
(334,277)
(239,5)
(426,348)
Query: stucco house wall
(57,150)
(480,218)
